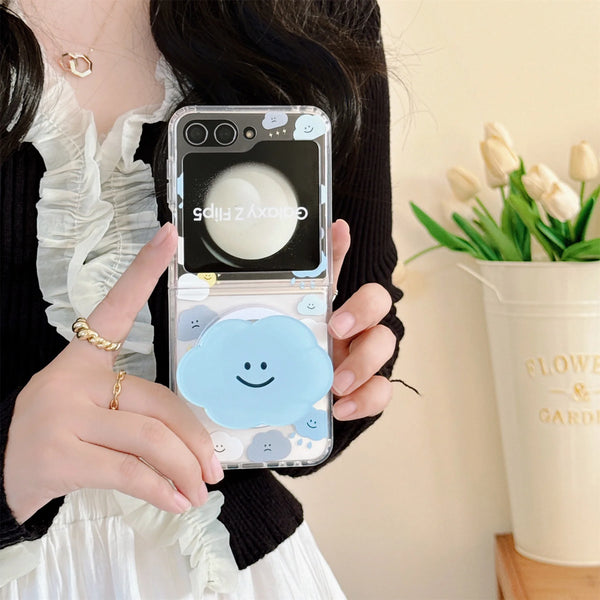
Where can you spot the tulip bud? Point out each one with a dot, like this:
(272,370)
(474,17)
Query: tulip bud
(583,165)
(538,180)
(499,158)
(560,201)
(497,130)
(463,183)
(495,181)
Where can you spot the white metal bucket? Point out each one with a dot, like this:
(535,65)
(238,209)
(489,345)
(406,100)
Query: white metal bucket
(543,323)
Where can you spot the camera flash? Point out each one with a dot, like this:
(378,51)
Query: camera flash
(249,133)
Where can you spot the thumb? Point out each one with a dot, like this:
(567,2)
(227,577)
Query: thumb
(114,316)
(340,236)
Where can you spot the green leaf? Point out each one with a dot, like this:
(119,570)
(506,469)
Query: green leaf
(513,227)
(502,242)
(561,228)
(522,237)
(555,237)
(516,186)
(489,253)
(447,239)
(530,217)
(483,208)
(583,218)
(586,250)
(506,221)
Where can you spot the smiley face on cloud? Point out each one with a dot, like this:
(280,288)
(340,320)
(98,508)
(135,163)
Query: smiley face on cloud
(312,304)
(313,425)
(249,374)
(309,127)
(227,447)
(210,278)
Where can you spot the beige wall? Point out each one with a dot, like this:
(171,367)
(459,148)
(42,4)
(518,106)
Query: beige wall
(410,510)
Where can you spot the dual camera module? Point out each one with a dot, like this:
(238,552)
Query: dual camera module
(211,133)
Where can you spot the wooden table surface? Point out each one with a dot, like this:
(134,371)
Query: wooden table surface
(521,578)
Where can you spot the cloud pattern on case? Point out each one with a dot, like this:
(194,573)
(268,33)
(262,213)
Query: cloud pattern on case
(269,446)
(191,287)
(192,322)
(210,278)
(227,447)
(312,304)
(315,272)
(313,425)
(309,127)
(269,372)
(274,119)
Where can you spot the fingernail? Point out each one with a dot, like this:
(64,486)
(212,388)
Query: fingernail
(163,233)
(216,468)
(342,323)
(342,410)
(181,502)
(342,381)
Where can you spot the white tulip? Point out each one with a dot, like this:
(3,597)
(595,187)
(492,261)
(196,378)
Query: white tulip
(560,201)
(495,180)
(538,180)
(499,158)
(463,183)
(583,165)
(497,130)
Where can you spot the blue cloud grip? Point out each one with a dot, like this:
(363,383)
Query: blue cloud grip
(250,374)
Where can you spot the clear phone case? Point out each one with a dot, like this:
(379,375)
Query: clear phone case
(250,287)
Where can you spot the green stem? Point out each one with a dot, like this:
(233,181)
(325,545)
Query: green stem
(415,256)
(571,227)
(484,209)
(502,194)
(581,193)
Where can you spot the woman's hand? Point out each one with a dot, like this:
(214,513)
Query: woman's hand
(360,345)
(63,437)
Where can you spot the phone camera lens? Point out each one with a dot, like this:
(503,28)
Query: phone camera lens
(225,134)
(196,133)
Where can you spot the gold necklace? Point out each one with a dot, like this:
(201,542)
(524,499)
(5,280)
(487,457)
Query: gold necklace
(79,64)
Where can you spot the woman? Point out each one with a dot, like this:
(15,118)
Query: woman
(78,206)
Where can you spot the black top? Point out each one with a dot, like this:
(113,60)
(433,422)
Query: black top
(259,511)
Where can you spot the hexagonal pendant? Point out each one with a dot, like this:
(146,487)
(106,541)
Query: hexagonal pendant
(78,64)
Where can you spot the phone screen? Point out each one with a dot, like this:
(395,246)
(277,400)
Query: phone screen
(257,210)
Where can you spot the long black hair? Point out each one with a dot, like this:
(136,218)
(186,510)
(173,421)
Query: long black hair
(317,52)
(21,80)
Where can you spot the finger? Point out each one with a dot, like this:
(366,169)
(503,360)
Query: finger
(364,309)
(154,442)
(340,350)
(115,315)
(367,401)
(156,401)
(368,353)
(103,468)
(340,235)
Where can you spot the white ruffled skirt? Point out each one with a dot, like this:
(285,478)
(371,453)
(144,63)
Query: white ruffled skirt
(107,546)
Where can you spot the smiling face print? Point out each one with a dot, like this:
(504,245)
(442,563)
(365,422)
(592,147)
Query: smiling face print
(309,127)
(248,367)
(239,372)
